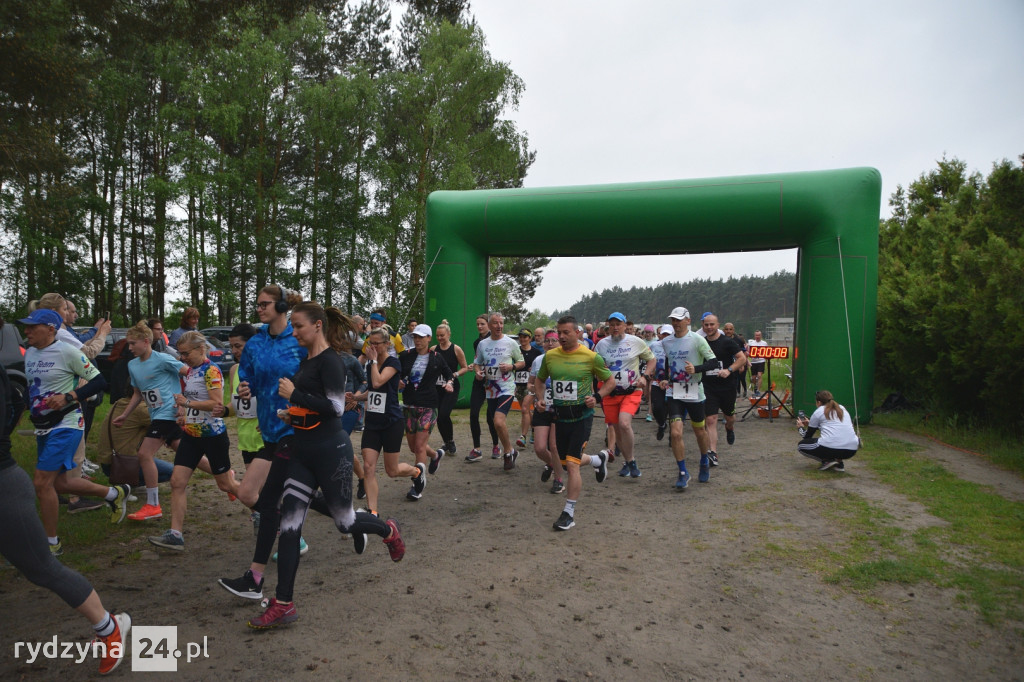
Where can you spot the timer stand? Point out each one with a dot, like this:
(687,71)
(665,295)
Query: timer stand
(769,394)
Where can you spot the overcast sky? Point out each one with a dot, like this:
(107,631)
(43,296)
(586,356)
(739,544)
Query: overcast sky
(668,89)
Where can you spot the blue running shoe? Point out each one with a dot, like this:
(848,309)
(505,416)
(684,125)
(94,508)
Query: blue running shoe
(634,470)
(624,471)
(683,480)
(704,475)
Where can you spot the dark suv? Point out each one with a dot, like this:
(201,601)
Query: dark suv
(12,355)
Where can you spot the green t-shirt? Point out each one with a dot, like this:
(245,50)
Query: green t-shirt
(572,376)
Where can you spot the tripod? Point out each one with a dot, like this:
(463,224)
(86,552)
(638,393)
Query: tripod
(770,393)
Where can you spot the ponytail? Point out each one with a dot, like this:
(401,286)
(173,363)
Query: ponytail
(833,410)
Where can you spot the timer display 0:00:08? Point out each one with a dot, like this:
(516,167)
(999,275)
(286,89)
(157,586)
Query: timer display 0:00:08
(774,352)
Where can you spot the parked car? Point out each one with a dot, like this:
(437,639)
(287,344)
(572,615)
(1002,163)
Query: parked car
(219,333)
(12,355)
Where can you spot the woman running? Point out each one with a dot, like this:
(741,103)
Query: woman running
(455,358)
(204,434)
(423,370)
(477,400)
(23,543)
(272,354)
(319,454)
(545,445)
(382,432)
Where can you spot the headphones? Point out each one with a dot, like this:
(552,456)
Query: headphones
(281,304)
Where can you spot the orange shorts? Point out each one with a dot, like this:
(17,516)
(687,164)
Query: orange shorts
(614,404)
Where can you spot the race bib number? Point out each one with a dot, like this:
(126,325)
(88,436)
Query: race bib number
(245,408)
(624,378)
(688,391)
(153,398)
(565,390)
(376,402)
(492,373)
(522,376)
(714,372)
(194,416)
(549,397)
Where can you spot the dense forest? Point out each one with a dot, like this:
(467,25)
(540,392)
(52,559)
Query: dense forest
(210,147)
(748,302)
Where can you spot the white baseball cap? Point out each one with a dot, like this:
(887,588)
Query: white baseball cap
(422,330)
(679,313)
(666,329)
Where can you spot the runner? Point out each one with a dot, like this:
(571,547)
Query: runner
(384,426)
(524,390)
(319,454)
(659,406)
(248,426)
(155,379)
(684,392)
(423,370)
(757,365)
(741,374)
(720,385)
(497,359)
(622,354)
(52,369)
(22,542)
(477,400)
(545,444)
(572,368)
(204,434)
(455,358)
(272,354)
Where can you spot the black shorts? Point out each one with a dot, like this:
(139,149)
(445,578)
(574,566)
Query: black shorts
(719,395)
(757,368)
(388,439)
(166,430)
(544,418)
(265,453)
(192,449)
(248,457)
(677,409)
(571,438)
(501,404)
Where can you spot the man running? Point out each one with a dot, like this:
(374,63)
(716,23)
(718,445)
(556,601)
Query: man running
(497,359)
(757,364)
(684,393)
(572,368)
(622,354)
(720,384)
(524,388)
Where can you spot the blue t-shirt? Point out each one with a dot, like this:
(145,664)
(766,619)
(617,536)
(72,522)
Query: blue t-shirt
(158,381)
(265,360)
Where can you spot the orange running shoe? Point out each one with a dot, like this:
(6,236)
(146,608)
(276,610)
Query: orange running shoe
(147,513)
(115,644)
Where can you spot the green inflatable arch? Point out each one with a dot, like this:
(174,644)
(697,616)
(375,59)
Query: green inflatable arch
(831,216)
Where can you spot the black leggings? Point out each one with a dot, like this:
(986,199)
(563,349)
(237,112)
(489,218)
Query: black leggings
(476,402)
(659,408)
(23,540)
(444,412)
(325,462)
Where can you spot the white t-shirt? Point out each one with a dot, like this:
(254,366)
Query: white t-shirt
(489,354)
(55,370)
(622,358)
(757,361)
(835,433)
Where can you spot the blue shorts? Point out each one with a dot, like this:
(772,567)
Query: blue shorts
(56,450)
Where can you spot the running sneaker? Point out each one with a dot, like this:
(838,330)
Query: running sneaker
(683,480)
(119,505)
(450,448)
(303,548)
(601,471)
(231,496)
(557,487)
(521,441)
(359,542)
(634,470)
(531,437)
(361,490)
(419,482)
(840,466)
(611,454)
(435,462)
(58,549)
(115,644)
(277,613)
(396,546)
(147,513)
(495,452)
(661,430)
(730,436)
(545,475)
(704,474)
(474,455)
(624,471)
(168,541)
(564,522)
(713,458)
(650,417)
(825,466)
(255,518)
(89,468)
(509,460)
(245,587)
(85,504)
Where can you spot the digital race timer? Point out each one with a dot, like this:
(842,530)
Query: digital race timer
(771,352)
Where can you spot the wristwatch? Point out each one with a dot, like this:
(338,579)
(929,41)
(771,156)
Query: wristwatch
(68,398)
